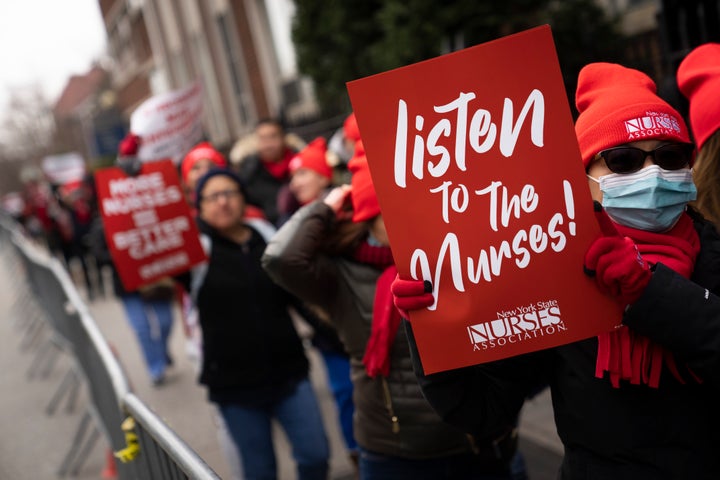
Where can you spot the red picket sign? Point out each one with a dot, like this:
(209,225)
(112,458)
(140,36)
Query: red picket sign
(148,226)
(481,144)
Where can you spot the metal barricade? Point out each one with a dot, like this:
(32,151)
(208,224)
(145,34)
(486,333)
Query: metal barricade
(155,451)
(162,453)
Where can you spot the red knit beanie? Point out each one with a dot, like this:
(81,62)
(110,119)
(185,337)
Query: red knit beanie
(698,78)
(619,105)
(364,199)
(313,157)
(129,145)
(201,151)
(358,155)
(350,128)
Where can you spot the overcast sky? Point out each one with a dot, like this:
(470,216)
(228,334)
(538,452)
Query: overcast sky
(46,41)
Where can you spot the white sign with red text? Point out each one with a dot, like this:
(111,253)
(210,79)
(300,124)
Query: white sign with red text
(169,124)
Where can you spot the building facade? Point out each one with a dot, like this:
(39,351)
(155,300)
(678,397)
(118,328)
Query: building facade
(237,49)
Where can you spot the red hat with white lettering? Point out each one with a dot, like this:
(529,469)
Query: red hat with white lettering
(201,151)
(619,105)
(698,78)
(364,200)
(313,157)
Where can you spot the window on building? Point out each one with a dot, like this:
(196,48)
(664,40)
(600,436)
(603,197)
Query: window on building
(236,65)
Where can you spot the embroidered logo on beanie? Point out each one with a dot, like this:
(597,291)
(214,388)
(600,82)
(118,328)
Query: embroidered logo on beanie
(652,124)
(619,105)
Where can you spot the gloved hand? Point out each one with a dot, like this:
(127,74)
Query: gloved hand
(618,268)
(411,295)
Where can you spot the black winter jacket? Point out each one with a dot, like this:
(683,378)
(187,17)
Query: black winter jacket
(631,432)
(250,345)
(261,187)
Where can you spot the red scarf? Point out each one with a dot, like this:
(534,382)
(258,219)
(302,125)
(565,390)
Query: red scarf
(386,318)
(280,169)
(625,354)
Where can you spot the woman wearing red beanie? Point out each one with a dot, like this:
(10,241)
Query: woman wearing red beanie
(638,402)
(334,254)
(310,173)
(698,78)
(310,177)
(198,161)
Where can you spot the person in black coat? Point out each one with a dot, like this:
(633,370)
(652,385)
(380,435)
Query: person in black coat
(266,172)
(254,365)
(638,402)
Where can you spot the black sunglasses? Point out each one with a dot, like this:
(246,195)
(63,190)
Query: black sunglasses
(672,156)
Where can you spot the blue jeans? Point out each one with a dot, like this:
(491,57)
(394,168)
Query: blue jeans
(375,466)
(299,415)
(152,322)
(338,371)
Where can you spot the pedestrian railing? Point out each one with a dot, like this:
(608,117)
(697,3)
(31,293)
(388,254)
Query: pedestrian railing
(53,318)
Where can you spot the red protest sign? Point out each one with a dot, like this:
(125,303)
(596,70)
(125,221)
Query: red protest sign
(148,226)
(483,192)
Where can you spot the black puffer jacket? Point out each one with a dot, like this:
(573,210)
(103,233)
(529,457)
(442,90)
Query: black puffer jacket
(631,432)
(346,290)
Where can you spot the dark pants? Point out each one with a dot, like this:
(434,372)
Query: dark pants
(374,466)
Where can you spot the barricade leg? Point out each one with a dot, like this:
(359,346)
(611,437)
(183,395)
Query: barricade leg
(85,422)
(32,332)
(46,353)
(69,381)
(84,452)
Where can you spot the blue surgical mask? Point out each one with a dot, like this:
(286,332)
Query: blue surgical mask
(650,199)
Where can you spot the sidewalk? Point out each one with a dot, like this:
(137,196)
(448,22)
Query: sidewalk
(34,444)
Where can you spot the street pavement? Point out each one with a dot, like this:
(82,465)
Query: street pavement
(34,443)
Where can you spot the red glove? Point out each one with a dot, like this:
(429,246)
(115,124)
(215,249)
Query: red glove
(411,295)
(618,267)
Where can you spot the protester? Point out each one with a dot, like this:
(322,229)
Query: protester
(37,197)
(638,402)
(149,308)
(342,145)
(196,163)
(202,158)
(75,198)
(311,176)
(310,172)
(699,80)
(266,171)
(254,364)
(339,261)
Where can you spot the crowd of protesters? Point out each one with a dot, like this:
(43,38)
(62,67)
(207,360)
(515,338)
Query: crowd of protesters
(295,231)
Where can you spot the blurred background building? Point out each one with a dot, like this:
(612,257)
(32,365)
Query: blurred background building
(290,59)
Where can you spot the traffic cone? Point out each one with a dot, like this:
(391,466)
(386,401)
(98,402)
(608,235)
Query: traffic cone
(110,470)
